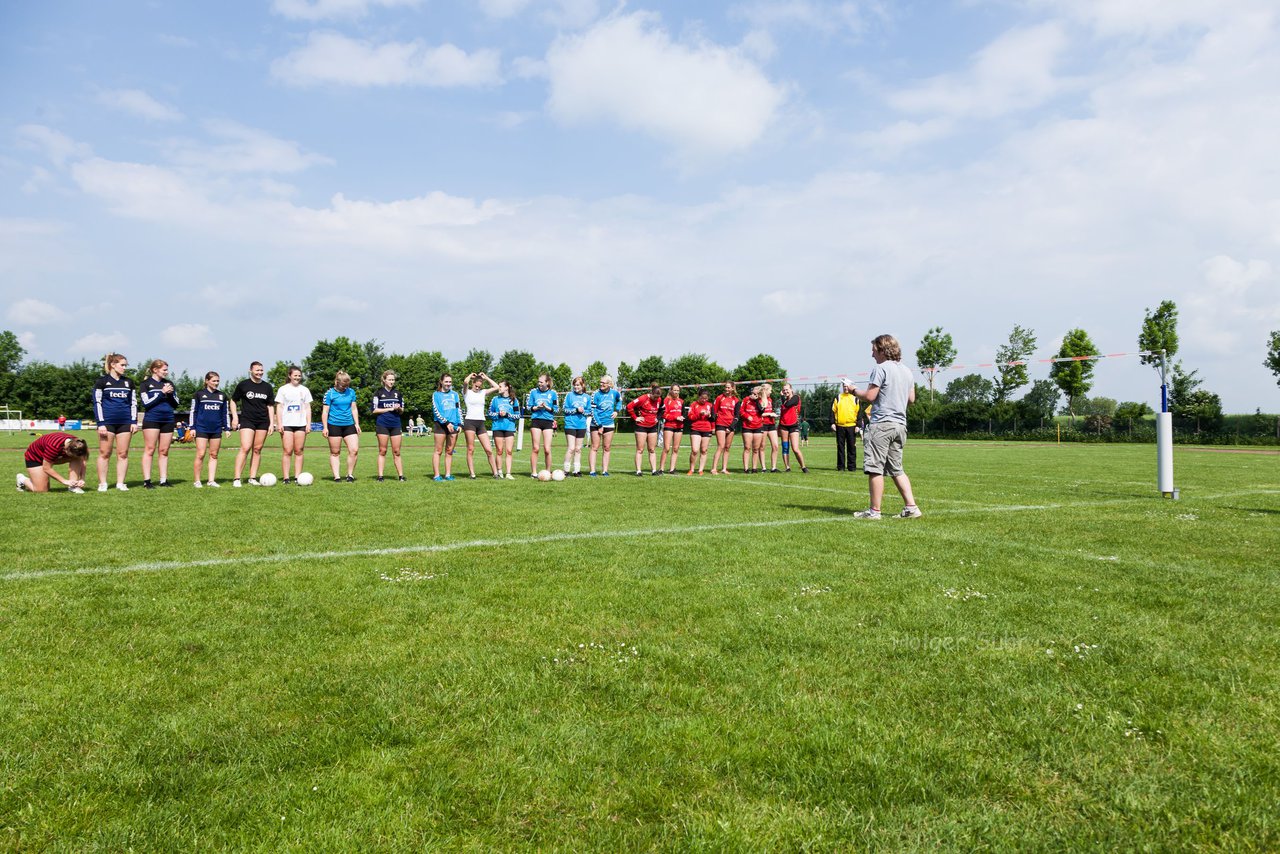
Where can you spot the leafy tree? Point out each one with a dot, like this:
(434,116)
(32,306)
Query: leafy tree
(1040,402)
(759,367)
(518,368)
(328,357)
(970,388)
(923,411)
(1272,362)
(651,369)
(11,352)
(591,376)
(375,359)
(1159,332)
(937,352)
(1098,406)
(1022,343)
(561,377)
(695,369)
(622,378)
(815,404)
(1132,411)
(1181,385)
(1075,378)
(474,362)
(965,415)
(1202,406)
(45,390)
(278,375)
(416,378)
(186,386)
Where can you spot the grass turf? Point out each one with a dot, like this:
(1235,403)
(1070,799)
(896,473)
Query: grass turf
(1053,657)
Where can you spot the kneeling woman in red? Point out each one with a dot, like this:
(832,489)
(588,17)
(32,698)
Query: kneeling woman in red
(644,411)
(54,449)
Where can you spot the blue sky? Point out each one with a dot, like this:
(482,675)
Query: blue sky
(215,183)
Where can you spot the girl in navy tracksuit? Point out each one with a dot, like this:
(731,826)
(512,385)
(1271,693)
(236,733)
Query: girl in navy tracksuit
(160,412)
(212,414)
(115,406)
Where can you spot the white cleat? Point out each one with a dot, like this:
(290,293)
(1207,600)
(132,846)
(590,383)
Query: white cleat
(253,481)
(198,485)
(76,490)
(102,487)
(236,483)
(22,483)
(214,484)
(122,487)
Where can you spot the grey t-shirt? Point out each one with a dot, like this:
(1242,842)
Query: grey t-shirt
(895,382)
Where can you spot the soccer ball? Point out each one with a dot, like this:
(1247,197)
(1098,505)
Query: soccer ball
(267,479)
(544,475)
(557,475)
(306,479)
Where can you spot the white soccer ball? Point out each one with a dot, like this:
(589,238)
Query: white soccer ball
(267,479)
(306,479)
(544,475)
(557,475)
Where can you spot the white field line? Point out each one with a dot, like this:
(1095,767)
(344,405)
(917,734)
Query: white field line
(245,560)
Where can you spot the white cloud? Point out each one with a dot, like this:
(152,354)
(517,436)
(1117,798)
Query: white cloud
(1014,72)
(1234,309)
(139,103)
(831,18)
(143,191)
(34,312)
(55,145)
(319,10)
(334,58)
(28,341)
(1150,17)
(793,302)
(37,181)
(501,9)
(244,149)
(339,304)
(225,296)
(627,70)
(188,336)
(97,344)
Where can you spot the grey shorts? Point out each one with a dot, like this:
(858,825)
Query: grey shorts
(882,448)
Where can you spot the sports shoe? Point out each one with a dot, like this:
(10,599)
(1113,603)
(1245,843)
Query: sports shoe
(401,478)
(438,479)
(122,487)
(148,485)
(197,485)
(867,514)
(803,470)
(236,483)
(510,476)
(446,477)
(77,490)
(166,484)
(604,474)
(22,483)
(351,478)
(592,474)
(212,483)
(912,512)
(253,481)
(379,478)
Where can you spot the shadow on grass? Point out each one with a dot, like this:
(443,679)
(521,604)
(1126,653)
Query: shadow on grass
(822,508)
(1270,511)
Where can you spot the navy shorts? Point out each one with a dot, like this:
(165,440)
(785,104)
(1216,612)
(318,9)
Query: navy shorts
(162,426)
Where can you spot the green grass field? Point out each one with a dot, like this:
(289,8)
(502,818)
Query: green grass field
(1054,657)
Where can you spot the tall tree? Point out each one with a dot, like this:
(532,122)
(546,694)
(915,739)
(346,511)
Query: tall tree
(416,377)
(476,361)
(1022,343)
(695,369)
(561,377)
(328,357)
(11,352)
(650,369)
(937,352)
(1075,378)
(1040,402)
(761,366)
(970,388)
(518,368)
(622,377)
(591,376)
(279,373)
(1272,362)
(1159,332)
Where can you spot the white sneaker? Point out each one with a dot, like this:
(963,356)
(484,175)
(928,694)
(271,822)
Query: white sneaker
(867,514)
(910,513)
(198,485)
(77,490)
(214,484)
(236,483)
(102,487)
(22,486)
(253,481)
(122,487)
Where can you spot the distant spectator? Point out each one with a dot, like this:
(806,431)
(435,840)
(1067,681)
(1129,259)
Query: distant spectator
(844,421)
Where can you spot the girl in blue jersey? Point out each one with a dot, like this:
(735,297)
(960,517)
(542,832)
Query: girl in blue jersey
(606,403)
(212,414)
(387,408)
(446,410)
(160,413)
(577,407)
(504,411)
(341,424)
(541,406)
(115,406)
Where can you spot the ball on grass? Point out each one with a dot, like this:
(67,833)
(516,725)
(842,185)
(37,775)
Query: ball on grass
(306,479)
(557,475)
(544,475)
(267,479)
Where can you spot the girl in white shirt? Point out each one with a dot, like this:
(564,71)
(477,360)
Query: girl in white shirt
(473,420)
(293,414)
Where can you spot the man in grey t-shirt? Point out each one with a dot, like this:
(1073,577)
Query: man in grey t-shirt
(890,391)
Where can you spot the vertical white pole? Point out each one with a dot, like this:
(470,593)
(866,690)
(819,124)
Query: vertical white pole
(1164,436)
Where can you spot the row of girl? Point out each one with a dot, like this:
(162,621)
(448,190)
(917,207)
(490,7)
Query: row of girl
(255,409)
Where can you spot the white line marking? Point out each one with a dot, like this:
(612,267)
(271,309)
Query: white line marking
(165,566)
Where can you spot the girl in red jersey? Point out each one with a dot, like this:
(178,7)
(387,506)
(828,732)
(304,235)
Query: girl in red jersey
(750,413)
(789,423)
(644,411)
(770,428)
(54,449)
(726,411)
(701,423)
(672,428)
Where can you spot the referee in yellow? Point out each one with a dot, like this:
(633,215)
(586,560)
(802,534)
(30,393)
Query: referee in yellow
(845,410)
